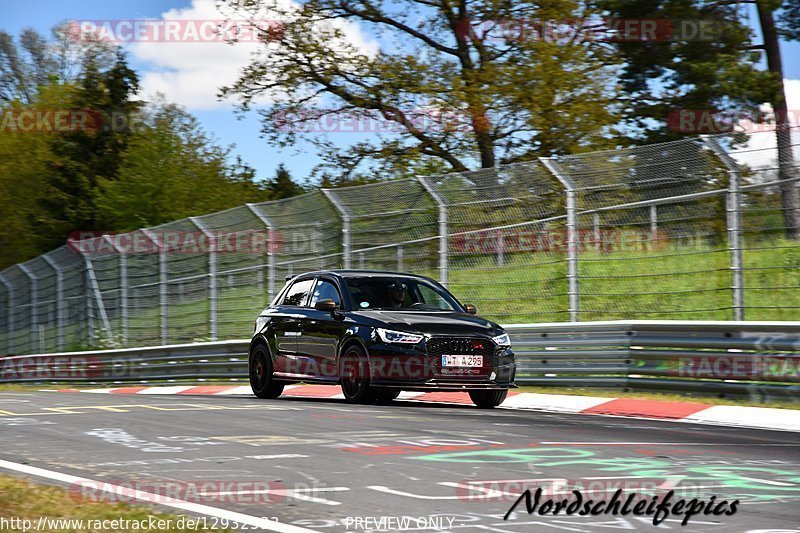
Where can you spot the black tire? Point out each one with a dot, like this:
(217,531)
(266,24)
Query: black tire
(386,395)
(261,380)
(354,376)
(488,399)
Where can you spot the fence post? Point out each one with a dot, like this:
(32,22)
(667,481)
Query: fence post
(345,225)
(34,303)
(59,301)
(653,221)
(442,205)
(572,236)
(596,225)
(10,318)
(123,287)
(212,277)
(270,249)
(162,285)
(501,260)
(733,206)
(94,288)
(399,258)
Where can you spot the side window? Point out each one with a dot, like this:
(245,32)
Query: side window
(325,290)
(297,293)
(431,297)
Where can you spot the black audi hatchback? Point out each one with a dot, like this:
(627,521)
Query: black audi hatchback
(377,334)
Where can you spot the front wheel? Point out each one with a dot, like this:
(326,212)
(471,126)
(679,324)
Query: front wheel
(386,395)
(354,374)
(488,399)
(261,380)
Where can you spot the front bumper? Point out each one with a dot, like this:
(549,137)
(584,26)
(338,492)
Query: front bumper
(420,368)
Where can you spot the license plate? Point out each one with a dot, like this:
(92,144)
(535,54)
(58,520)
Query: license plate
(462,360)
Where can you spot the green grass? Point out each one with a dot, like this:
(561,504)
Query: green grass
(671,283)
(19,498)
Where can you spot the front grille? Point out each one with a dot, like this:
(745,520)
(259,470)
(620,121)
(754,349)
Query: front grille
(437,346)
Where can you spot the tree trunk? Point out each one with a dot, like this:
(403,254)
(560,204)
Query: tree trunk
(790,199)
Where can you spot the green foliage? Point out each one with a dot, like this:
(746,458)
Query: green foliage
(133,164)
(87,155)
(171,170)
(663,76)
(789,19)
(282,185)
(454,95)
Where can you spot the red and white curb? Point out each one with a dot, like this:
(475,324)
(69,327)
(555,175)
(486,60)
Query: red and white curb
(700,413)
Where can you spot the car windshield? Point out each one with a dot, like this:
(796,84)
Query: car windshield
(399,293)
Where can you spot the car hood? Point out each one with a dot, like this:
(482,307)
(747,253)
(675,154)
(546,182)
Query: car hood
(435,323)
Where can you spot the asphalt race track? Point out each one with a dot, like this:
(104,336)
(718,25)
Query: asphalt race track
(333,467)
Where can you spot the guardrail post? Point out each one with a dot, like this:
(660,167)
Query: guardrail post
(271,248)
(734,225)
(59,301)
(442,206)
(399,258)
(572,236)
(345,225)
(34,303)
(162,286)
(212,277)
(10,318)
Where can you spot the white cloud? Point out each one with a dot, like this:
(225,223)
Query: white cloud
(191,73)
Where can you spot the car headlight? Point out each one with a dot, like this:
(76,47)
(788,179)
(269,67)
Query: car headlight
(399,337)
(502,340)
(260,323)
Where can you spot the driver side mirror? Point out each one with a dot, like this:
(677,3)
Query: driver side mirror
(471,309)
(326,305)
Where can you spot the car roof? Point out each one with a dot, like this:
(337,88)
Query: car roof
(355,273)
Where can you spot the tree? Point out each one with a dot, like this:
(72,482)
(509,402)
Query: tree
(37,61)
(664,77)
(455,89)
(282,185)
(713,71)
(171,169)
(84,156)
(25,161)
(790,200)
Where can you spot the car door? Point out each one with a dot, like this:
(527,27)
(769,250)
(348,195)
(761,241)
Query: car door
(286,317)
(321,330)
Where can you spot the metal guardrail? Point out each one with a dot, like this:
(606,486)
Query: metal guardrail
(760,360)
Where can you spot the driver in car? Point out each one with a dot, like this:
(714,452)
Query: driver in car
(397,294)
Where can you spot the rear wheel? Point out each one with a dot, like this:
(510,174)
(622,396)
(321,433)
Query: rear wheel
(354,374)
(386,395)
(488,399)
(261,380)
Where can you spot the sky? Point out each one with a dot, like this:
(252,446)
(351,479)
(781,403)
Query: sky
(190,74)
